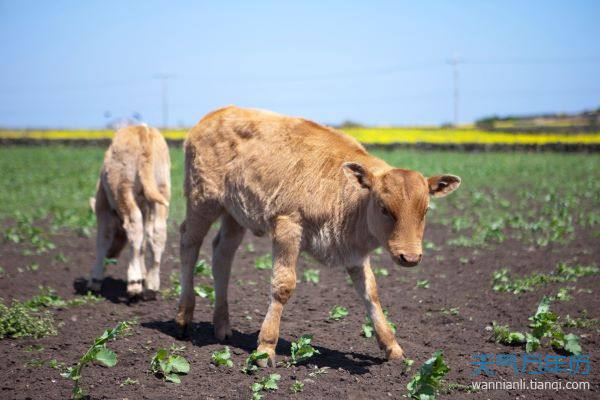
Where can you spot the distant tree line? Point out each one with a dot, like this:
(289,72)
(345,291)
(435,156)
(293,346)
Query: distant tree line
(585,121)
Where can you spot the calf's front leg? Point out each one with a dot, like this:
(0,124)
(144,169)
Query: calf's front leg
(366,287)
(287,235)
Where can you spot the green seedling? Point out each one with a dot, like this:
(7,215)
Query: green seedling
(267,383)
(34,348)
(49,299)
(250,366)
(545,327)
(429,245)
(408,363)
(311,275)
(202,268)
(206,292)
(109,261)
(381,271)
(450,311)
(249,248)
(297,387)
(423,283)
(128,381)
(318,371)
(502,334)
(338,313)
(35,363)
(19,321)
(582,322)
(175,289)
(55,364)
(169,365)
(502,281)
(563,294)
(24,232)
(60,257)
(264,262)
(544,324)
(302,350)
(33,267)
(426,384)
(222,357)
(97,352)
(367,328)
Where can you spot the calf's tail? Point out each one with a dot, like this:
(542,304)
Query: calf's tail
(146,169)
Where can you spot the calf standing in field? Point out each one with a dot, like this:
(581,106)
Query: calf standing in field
(131,205)
(311,188)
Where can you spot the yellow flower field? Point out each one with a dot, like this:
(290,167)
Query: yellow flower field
(461,136)
(366,135)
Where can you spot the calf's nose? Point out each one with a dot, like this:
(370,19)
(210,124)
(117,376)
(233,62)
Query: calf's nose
(410,260)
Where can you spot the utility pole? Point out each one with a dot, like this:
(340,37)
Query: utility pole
(164,91)
(454,62)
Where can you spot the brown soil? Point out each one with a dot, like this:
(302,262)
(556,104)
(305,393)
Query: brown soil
(356,368)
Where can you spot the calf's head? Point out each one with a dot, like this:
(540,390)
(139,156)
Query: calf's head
(398,203)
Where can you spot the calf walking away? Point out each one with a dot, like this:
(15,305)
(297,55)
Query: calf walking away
(310,188)
(132,205)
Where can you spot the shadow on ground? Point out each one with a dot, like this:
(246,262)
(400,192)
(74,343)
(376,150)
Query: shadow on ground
(113,290)
(201,334)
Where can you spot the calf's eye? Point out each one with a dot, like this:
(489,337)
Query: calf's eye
(384,210)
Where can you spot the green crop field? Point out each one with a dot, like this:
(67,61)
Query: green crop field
(541,197)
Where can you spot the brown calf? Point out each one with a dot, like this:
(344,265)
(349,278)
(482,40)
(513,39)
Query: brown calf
(131,205)
(311,188)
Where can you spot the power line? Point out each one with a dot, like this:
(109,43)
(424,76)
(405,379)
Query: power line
(533,61)
(71,87)
(367,72)
(164,94)
(454,63)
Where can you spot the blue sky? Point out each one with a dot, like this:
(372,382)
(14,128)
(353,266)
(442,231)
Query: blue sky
(66,63)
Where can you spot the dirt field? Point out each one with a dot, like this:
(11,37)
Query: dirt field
(350,366)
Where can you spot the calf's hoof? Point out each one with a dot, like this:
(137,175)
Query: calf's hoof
(133,298)
(223,332)
(182,332)
(94,285)
(134,289)
(150,295)
(266,362)
(394,353)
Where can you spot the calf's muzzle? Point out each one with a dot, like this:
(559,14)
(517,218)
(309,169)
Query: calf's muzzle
(407,259)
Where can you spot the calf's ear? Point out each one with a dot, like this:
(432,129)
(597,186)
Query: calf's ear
(358,174)
(443,185)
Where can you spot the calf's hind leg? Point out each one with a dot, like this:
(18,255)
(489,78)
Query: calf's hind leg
(110,238)
(224,246)
(287,235)
(194,228)
(133,224)
(156,235)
